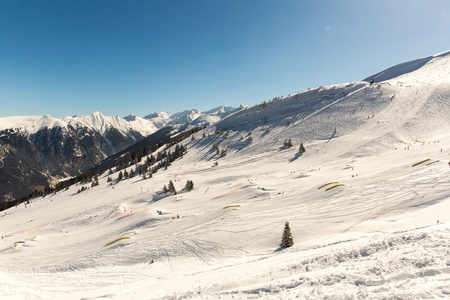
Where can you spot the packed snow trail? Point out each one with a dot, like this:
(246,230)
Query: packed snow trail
(238,164)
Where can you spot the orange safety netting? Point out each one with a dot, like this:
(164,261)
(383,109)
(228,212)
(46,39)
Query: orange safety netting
(226,194)
(20,231)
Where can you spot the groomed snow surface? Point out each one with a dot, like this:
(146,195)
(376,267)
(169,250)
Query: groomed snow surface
(368,204)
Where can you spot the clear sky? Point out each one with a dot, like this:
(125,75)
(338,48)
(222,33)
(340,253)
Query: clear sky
(119,57)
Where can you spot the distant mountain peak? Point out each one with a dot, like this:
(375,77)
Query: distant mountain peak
(130,117)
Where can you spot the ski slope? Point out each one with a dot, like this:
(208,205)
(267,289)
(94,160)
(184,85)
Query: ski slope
(368,204)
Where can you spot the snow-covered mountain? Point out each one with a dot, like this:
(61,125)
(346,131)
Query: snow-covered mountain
(368,205)
(159,120)
(192,117)
(54,147)
(95,122)
(38,148)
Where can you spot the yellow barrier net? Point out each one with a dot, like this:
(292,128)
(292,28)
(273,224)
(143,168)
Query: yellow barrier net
(326,184)
(228,206)
(432,162)
(121,238)
(420,162)
(333,187)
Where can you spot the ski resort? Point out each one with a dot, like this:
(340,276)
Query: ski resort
(335,192)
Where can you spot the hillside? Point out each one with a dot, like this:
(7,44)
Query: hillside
(368,204)
(39,150)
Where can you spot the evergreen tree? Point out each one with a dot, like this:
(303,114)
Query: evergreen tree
(94,183)
(165,189)
(288,143)
(172,188)
(189,185)
(216,148)
(301,149)
(120,177)
(286,239)
(131,173)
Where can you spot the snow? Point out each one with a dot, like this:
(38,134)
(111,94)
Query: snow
(100,123)
(96,121)
(434,67)
(159,119)
(382,234)
(192,117)
(30,124)
(103,123)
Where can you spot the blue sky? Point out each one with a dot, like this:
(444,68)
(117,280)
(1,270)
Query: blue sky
(119,57)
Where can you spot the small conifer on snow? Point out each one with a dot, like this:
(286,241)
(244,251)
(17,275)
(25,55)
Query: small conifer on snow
(286,239)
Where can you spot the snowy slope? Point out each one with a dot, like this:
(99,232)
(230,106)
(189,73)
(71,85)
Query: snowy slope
(427,69)
(368,204)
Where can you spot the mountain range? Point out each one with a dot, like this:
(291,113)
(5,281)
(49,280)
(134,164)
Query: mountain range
(38,150)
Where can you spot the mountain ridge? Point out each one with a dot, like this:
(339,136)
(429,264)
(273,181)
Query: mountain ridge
(66,147)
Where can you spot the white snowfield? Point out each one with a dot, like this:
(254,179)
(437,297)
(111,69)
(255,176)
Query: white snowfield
(368,204)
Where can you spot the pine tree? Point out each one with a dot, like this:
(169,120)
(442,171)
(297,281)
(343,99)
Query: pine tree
(216,148)
(301,149)
(288,143)
(120,177)
(94,183)
(286,239)
(165,189)
(172,188)
(189,185)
